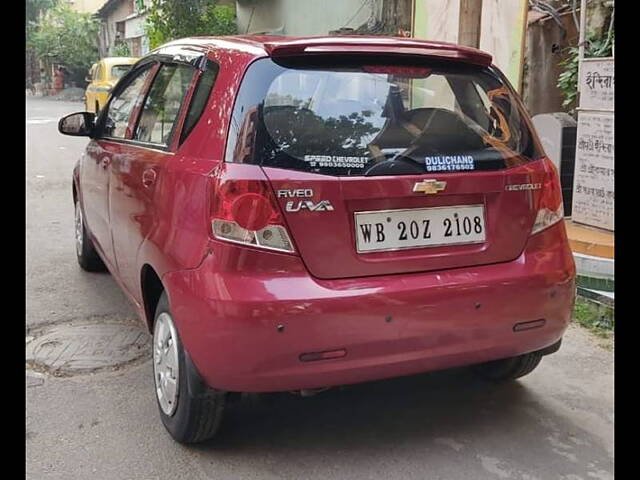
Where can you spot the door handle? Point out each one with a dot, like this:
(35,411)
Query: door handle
(149,177)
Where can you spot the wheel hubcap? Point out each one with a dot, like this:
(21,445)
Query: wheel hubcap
(165,363)
(78,229)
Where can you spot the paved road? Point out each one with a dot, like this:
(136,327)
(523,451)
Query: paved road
(556,423)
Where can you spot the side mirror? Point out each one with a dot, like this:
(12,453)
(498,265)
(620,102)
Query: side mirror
(77,124)
(88,79)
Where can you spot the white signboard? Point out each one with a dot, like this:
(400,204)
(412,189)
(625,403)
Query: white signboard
(593,191)
(597,82)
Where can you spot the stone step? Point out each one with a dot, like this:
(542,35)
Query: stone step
(591,241)
(593,252)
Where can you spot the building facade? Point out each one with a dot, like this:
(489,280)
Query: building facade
(122,25)
(292,17)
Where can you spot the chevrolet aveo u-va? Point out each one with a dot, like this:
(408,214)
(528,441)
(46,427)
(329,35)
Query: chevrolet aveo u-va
(291,214)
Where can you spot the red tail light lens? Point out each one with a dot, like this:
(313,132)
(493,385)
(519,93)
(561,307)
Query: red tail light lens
(550,208)
(252,211)
(245,211)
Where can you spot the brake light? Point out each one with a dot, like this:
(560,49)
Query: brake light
(245,211)
(411,72)
(550,208)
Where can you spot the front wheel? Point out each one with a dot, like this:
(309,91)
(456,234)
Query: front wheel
(190,410)
(509,368)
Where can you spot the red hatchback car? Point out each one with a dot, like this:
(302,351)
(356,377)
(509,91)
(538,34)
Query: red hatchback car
(291,214)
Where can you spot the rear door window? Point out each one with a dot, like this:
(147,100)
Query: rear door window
(161,107)
(377,119)
(199,98)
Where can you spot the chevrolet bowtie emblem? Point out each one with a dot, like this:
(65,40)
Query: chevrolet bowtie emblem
(429,186)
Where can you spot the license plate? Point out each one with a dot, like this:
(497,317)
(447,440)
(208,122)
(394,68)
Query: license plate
(419,227)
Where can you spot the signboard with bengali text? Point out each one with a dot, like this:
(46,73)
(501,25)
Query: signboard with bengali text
(593,186)
(597,82)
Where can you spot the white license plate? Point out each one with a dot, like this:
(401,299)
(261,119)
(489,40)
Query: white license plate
(419,227)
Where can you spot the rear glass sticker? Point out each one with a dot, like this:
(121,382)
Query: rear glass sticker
(449,163)
(336,161)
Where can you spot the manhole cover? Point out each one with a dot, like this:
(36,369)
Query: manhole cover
(87,347)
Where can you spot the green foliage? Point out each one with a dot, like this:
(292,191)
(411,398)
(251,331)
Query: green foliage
(121,49)
(599,319)
(568,79)
(34,8)
(67,37)
(172,19)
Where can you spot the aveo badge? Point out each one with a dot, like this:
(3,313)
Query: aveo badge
(298,205)
(322,206)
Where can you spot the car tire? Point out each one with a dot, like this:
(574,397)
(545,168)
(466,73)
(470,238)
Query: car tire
(87,256)
(194,414)
(509,368)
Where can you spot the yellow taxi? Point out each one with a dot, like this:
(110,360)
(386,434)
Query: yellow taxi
(102,77)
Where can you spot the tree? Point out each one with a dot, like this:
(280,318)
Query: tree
(34,9)
(64,36)
(172,19)
(120,49)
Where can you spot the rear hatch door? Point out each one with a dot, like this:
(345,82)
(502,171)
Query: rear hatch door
(390,165)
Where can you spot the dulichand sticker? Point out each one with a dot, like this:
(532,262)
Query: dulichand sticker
(440,163)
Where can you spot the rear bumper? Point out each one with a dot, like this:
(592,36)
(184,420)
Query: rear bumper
(246,329)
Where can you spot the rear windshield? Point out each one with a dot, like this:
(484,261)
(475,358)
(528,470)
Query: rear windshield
(118,71)
(377,119)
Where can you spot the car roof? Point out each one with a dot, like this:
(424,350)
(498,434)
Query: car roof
(280,46)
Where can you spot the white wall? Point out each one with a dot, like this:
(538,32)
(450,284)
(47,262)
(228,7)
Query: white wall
(302,17)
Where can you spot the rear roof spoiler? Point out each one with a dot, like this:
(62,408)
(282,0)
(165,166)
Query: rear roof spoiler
(376,46)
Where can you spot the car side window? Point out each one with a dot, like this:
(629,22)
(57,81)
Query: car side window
(199,98)
(162,105)
(119,109)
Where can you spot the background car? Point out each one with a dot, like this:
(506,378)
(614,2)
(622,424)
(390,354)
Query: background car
(103,76)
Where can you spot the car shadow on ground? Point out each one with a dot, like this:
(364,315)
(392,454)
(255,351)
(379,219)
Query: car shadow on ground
(453,403)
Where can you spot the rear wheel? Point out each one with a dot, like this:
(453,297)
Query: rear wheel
(509,368)
(88,258)
(190,410)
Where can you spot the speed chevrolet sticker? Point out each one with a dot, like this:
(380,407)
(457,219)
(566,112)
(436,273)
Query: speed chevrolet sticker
(336,161)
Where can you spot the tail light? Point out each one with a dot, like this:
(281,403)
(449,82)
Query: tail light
(245,212)
(550,209)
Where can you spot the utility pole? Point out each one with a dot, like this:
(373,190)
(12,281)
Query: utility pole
(469,23)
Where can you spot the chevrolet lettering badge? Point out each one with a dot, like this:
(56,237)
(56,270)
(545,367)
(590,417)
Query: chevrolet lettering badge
(429,186)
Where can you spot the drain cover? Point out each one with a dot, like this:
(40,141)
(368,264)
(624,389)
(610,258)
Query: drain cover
(87,347)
